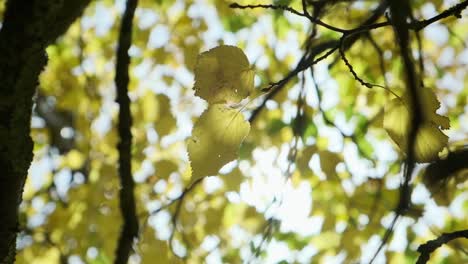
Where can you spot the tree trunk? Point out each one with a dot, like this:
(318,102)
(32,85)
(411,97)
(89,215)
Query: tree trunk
(28,27)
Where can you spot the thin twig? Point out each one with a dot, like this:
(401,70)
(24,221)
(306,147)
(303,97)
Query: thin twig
(174,219)
(181,196)
(329,122)
(452,11)
(380,54)
(312,19)
(307,59)
(386,237)
(304,63)
(351,69)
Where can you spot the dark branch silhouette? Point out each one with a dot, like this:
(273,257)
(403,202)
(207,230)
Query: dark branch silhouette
(431,245)
(348,38)
(453,11)
(127,199)
(174,218)
(312,19)
(400,12)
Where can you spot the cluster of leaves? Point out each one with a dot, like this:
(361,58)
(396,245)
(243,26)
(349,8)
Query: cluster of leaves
(222,77)
(313,129)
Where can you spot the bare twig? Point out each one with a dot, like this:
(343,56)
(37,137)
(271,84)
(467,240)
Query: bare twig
(308,59)
(453,11)
(186,191)
(380,54)
(386,237)
(312,19)
(174,218)
(351,69)
(268,230)
(329,122)
(304,63)
(352,38)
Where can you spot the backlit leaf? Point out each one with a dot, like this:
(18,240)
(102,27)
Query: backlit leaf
(429,140)
(223,74)
(215,140)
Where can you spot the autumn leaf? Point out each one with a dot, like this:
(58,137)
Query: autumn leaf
(328,162)
(166,121)
(429,139)
(223,75)
(215,140)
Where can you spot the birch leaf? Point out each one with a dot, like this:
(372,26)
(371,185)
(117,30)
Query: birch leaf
(216,138)
(223,75)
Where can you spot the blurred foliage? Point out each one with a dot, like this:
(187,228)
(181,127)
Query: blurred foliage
(318,174)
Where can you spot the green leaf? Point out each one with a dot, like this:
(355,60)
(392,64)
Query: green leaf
(311,130)
(237,22)
(274,126)
(365,146)
(215,140)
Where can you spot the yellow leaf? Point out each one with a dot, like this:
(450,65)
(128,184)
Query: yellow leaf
(215,140)
(223,75)
(429,142)
(328,162)
(326,240)
(233,180)
(42,255)
(429,139)
(74,159)
(164,168)
(213,220)
(166,121)
(152,250)
(150,107)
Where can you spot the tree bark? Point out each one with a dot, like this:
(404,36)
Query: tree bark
(28,27)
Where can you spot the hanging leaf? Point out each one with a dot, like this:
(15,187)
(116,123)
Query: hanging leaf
(215,140)
(429,139)
(223,75)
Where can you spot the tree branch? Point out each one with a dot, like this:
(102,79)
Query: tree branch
(432,245)
(312,19)
(351,69)
(308,59)
(400,12)
(127,200)
(175,217)
(453,11)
